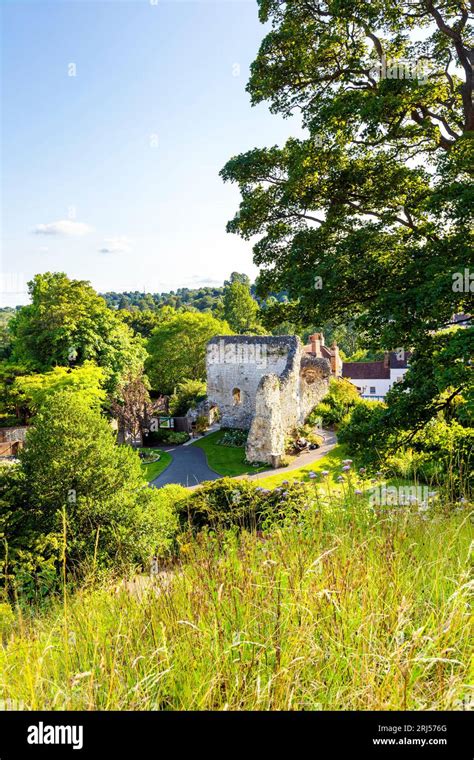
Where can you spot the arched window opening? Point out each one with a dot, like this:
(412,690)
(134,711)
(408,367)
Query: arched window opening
(236,396)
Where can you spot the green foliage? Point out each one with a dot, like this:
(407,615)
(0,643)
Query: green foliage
(361,431)
(226,503)
(11,400)
(368,217)
(234,438)
(165,435)
(6,314)
(74,485)
(240,309)
(87,380)
(132,306)
(177,349)
(440,453)
(163,518)
(340,399)
(67,322)
(187,394)
(202,424)
(7,619)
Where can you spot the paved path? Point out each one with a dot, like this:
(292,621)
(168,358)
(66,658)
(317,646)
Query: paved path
(308,457)
(189,466)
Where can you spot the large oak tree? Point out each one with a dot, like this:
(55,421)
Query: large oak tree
(369,216)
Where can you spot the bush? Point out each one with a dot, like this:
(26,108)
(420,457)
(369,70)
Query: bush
(202,424)
(340,399)
(75,486)
(165,435)
(226,503)
(440,453)
(234,438)
(187,395)
(164,518)
(357,431)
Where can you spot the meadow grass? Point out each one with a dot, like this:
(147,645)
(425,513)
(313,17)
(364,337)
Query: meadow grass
(344,609)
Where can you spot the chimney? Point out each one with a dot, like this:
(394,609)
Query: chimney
(386,360)
(317,340)
(335,360)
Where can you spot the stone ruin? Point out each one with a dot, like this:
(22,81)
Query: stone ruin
(266,384)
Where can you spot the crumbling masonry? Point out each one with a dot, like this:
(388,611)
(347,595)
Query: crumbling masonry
(268,385)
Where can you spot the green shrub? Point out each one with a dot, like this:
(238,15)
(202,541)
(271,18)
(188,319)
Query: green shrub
(226,503)
(357,431)
(442,453)
(202,424)
(234,437)
(75,487)
(165,435)
(340,399)
(187,395)
(163,515)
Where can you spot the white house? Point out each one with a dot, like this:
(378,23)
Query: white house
(374,379)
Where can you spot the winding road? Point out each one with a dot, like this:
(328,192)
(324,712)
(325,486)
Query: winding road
(189,466)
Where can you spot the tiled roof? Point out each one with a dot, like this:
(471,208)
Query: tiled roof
(396,363)
(366,370)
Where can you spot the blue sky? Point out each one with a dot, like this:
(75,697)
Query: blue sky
(111,175)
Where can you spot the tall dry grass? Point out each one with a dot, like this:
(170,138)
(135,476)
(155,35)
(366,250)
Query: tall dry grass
(347,609)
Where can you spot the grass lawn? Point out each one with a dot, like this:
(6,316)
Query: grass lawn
(225,460)
(331,461)
(152,470)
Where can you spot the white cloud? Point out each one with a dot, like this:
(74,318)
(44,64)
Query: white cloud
(63,227)
(118,244)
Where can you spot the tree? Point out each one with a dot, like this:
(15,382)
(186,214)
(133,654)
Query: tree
(73,481)
(238,277)
(186,396)
(131,409)
(68,323)
(240,309)
(33,390)
(368,217)
(177,349)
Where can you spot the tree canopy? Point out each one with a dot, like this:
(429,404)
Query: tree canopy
(240,309)
(67,323)
(177,349)
(367,218)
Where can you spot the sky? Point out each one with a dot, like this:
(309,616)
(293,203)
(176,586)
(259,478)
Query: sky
(116,119)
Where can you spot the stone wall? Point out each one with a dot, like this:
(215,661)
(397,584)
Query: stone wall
(11,434)
(238,363)
(265,384)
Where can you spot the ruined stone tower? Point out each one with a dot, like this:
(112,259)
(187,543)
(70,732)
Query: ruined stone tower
(265,384)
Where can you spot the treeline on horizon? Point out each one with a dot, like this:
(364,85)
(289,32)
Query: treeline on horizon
(141,310)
